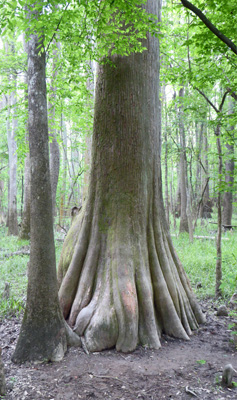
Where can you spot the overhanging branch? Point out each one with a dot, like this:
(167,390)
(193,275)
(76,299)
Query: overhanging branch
(209,25)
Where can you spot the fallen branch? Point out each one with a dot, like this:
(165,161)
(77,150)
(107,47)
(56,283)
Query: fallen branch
(203,237)
(16,253)
(107,377)
(209,237)
(189,391)
(224,226)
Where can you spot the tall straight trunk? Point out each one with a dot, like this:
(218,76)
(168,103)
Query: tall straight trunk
(54,160)
(12,153)
(25,222)
(121,282)
(229,175)
(166,160)
(206,162)
(183,170)
(43,330)
(219,219)
(63,211)
(199,143)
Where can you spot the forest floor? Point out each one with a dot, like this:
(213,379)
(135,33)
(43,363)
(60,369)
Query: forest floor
(178,370)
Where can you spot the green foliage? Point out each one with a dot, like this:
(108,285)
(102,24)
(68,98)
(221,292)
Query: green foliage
(201,362)
(199,261)
(13,271)
(11,307)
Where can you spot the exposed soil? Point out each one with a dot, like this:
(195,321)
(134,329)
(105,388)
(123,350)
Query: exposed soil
(179,370)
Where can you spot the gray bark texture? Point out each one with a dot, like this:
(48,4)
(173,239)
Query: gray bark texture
(43,333)
(121,282)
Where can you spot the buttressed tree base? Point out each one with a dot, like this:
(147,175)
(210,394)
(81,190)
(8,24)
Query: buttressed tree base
(121,282)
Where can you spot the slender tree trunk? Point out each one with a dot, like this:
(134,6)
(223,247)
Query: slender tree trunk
(54,146)
(12,152)
(25,222)
(2,217)
(183,170)
(43,330)
(121,282)
(189,216)
(11,125)
(63,211)
(166,160)
(199,142)
(219,230)
(229,177)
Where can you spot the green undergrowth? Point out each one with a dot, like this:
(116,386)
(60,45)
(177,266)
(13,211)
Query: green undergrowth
(13,270)
(199,260)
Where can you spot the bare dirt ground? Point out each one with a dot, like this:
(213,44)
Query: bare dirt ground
(179,370)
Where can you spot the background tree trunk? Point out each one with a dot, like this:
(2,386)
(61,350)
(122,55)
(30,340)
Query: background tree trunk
(219,219)
(183,170)
(121,282)
(167,207)
(25,222)
(54,146)
(229,175)
(12,152)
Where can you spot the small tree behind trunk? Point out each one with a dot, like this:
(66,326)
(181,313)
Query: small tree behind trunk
(219,230)
(12,152)
(229,176)
(183,170)
(25,222)
(54,146)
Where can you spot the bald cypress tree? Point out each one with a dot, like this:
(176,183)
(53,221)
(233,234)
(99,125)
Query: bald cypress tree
(121,282)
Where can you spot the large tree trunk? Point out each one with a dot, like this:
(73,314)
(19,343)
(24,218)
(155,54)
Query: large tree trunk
(121,281)
(43,332)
